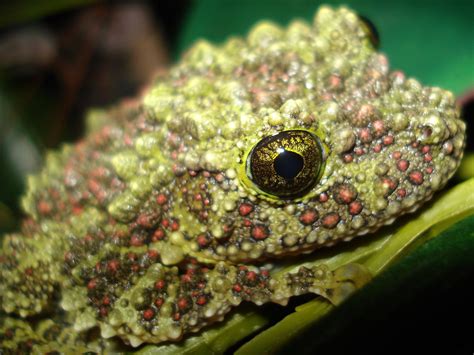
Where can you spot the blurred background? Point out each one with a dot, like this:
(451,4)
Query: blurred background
(59,58)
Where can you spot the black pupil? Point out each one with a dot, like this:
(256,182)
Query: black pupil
(288,164)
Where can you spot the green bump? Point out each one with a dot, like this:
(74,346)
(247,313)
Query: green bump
(125,164)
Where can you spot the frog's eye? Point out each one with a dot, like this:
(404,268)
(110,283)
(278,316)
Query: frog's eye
(371,31)
(286,164)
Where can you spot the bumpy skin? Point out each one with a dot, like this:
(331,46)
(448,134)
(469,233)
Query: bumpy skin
(150,229)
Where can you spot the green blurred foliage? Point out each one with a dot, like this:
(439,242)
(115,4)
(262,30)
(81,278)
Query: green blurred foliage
(17,12)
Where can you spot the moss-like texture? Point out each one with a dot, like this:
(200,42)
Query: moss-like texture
(151,227)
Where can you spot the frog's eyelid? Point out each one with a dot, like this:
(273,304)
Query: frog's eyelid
(372,31)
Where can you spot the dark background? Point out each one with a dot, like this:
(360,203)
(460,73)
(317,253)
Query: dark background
(60,58)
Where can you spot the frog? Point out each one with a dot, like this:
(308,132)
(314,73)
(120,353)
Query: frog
(177,206)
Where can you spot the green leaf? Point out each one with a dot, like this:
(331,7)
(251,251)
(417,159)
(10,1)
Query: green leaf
(466,170)
(421,286)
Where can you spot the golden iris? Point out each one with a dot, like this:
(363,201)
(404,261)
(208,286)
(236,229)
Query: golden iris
(286,164)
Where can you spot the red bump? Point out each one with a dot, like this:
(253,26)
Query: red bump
(416,177)
(202,300)
(348,158)
(161,199)
(259,232)
(182,303)
(113,265)
(103,311)
(403,165)
(94,186)
(158,235)
(245,209)
(165,223)
(401,193)
(237,288)
(174,225)
(144,220)
(92,284)
(251,276)
(202,240)
(331,220)
(365,136)
(309,216)
(387,140)
(355,208)
(186,278)
(345,193)
(323,197)
(136,241)
(153,254)
(77,210)
(159,302)
(148,314)
(379,127)
(44,207)
(396,155)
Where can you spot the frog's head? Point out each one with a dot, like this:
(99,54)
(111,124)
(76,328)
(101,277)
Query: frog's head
(298,138)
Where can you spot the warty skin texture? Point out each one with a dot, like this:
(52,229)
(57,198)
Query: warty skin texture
(150,227)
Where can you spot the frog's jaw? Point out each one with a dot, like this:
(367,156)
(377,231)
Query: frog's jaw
(167,304)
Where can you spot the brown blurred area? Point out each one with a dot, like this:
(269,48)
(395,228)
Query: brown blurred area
(56,67)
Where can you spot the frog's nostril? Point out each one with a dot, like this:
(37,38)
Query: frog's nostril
(371,30)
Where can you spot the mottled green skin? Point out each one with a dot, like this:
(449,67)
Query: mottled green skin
(150,229)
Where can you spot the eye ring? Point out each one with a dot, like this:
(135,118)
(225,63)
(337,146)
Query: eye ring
(285,165)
